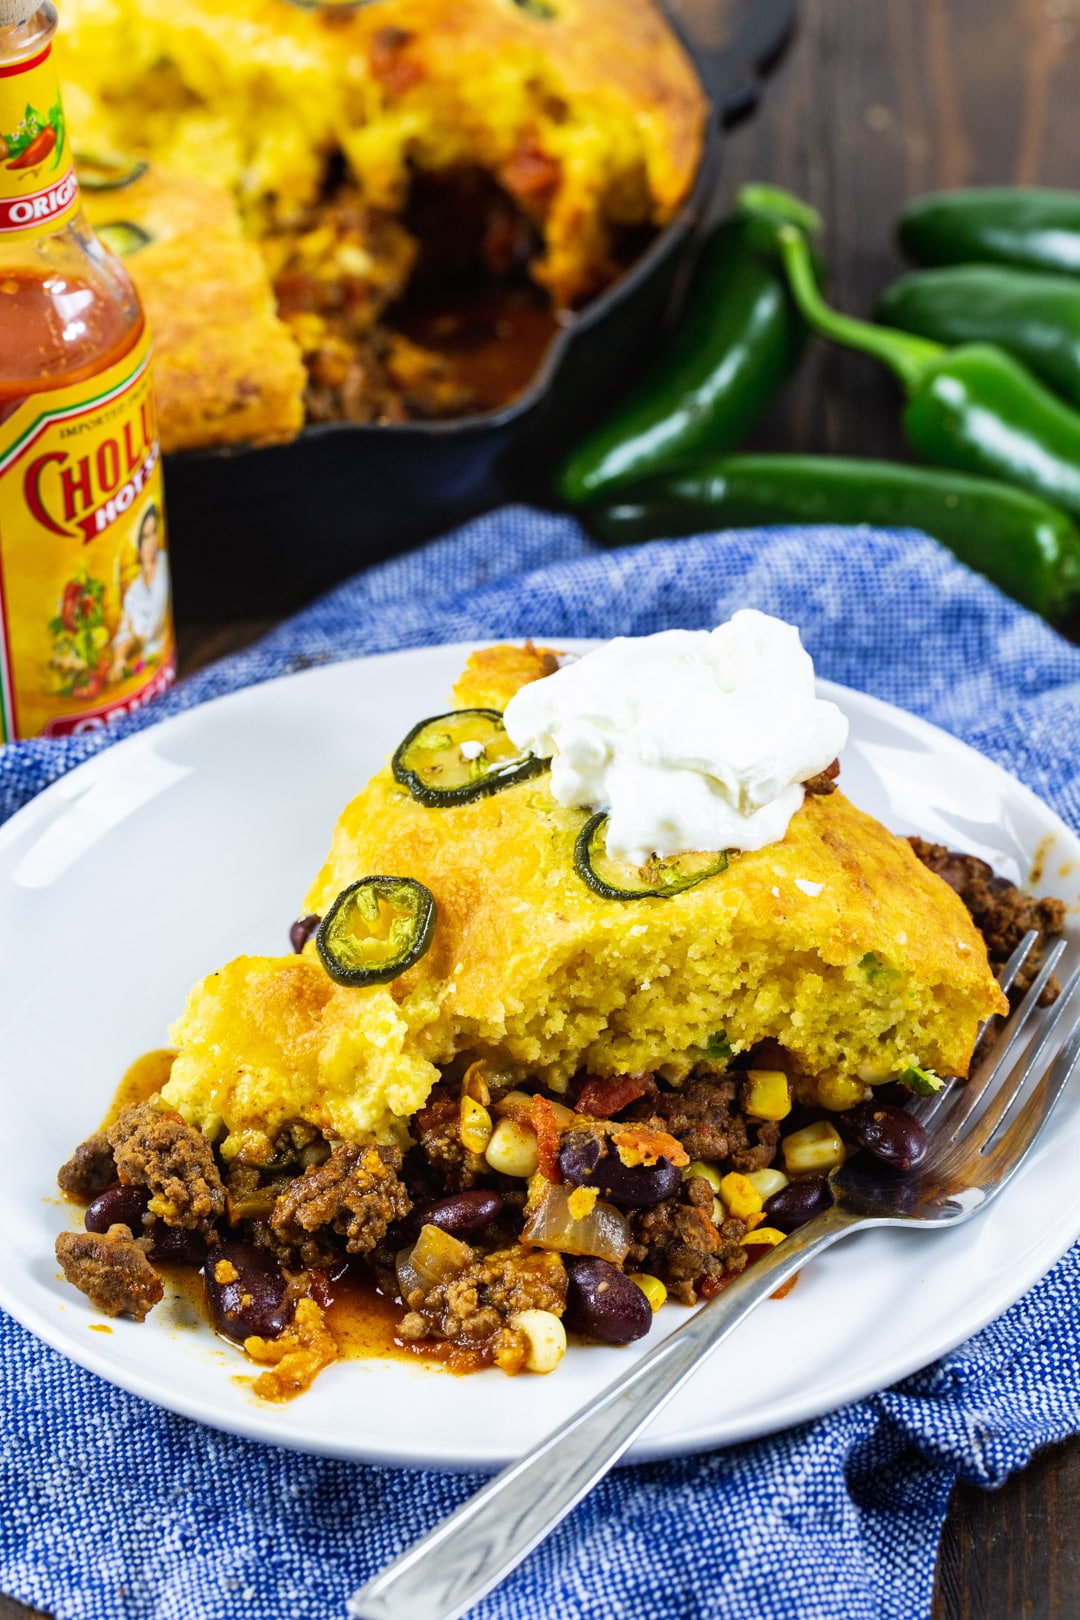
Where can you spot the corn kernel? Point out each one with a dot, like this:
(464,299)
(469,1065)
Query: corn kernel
(475,1127)
(518,1104)
(815,1148)
(652,1288)
(767,1182)
(512,1149)
(546,1339)
(708,1171)
(764,1234)
(840,1091)
(740,1195)
(768,1095)
(475,1083)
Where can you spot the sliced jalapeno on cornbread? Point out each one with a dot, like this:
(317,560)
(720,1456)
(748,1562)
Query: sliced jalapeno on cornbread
(375,929)
(101,172)
(658,878)
(464,755)
(123,237)
(330,5)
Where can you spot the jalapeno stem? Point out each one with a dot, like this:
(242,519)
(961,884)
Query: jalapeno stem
(911,359)
(757,198)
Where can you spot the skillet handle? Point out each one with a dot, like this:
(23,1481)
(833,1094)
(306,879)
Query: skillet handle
(733,73)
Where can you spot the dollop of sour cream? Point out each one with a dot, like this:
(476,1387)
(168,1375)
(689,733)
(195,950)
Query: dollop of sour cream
(689,739)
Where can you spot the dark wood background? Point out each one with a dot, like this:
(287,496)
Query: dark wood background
(877,101)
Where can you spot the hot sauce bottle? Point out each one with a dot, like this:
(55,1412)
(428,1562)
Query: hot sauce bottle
(85,616)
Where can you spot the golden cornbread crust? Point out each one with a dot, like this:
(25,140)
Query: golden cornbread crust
(493,674)
(529,966)
(837,942)
(270,1040)
(592,116)
(226,369)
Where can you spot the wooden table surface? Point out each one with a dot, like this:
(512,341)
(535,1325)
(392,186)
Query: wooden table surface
(876,102)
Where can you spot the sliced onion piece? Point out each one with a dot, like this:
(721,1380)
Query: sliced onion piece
(603,1232)
(435,1257)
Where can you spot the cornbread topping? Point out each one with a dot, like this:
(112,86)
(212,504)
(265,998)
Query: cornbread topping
(689,739)
(525,1086)
(423,184)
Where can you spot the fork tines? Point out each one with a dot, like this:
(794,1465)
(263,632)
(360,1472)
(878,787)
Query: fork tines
(983,1129)
(928,1108)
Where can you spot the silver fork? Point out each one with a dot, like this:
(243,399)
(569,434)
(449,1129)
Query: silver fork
(979,1136)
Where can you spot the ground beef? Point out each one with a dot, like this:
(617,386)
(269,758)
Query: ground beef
(1001,912)
(481,1300)
(111,1269)
(155,1149)
(704,1116)
(296,1147)
(825,781)
(438,1127)
(90,1169)
(679,1242)
(356,1195)
(337,265)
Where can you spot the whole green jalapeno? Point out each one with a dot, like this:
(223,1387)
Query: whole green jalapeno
(974,408)
(737,338)
(1033,227)
(1031,314)
(1030,549)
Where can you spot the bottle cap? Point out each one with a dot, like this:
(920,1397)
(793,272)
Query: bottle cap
(13,12)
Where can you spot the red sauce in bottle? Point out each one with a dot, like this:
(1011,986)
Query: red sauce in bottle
(56,330)
(85,611)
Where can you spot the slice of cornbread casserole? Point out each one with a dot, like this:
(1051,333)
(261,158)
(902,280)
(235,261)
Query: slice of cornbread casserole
(835,942)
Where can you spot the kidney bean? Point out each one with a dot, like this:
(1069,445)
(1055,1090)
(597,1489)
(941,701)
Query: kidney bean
(301,931)
(252,1302)
(176,1245)
(603,1302)
(583,1164)
(461,1214)
(120,1204)
(797,1203)
(890,1134)
(578,1158)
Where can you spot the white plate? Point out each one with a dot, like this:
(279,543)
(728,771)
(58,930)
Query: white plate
(194,841)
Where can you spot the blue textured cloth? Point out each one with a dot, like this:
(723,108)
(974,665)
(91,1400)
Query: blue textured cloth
(112,1510)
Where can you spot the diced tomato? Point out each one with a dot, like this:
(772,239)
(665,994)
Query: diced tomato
(546,1127)
(393,69)
(603,1099)
(713,1286)
(638,1144)
(529,172)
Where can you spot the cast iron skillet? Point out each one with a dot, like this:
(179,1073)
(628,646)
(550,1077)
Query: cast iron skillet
(259,531)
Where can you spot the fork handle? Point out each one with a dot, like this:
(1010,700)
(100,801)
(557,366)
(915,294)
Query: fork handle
(451,1568)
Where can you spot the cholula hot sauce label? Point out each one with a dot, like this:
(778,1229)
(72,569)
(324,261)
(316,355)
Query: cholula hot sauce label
(85,618)
(85,622)
(38,188)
